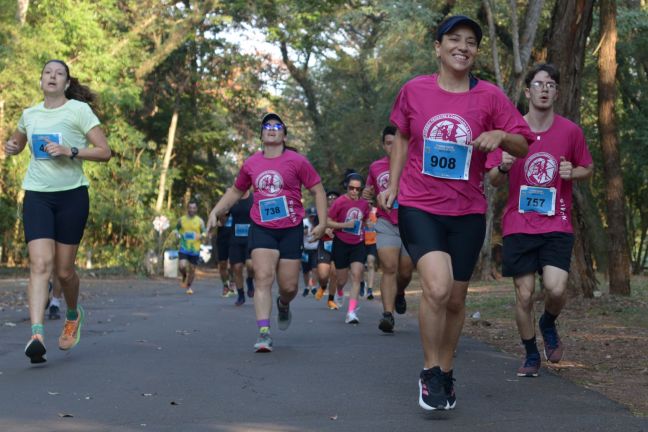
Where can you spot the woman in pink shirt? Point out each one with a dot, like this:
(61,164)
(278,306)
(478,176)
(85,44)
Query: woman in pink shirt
(276,174)
(347,216)
(447,123)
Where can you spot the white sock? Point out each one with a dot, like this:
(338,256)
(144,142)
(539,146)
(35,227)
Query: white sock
(56,301)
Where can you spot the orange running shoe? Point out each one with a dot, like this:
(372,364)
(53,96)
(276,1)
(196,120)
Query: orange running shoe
(71,334)
(319,294)
(332,305)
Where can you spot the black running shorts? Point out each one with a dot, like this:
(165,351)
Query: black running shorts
(239,251)
(309,260)
(325,252)
(528,253)
(223,243)
(344,254)
(193,259)
(288,241)
(60,216)
(461,237)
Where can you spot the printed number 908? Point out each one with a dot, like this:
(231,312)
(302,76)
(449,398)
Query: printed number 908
(443,162)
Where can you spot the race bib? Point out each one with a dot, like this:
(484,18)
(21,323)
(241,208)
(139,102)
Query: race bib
(304,257)
(537,200)
(241,230)
(357,225)
(39,141)
(328,246)
(395,204)
(190,235)
(229,221)
(446,159)
(273,209)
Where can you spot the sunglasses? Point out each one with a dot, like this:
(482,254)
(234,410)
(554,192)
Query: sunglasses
(277,126)
(355,188)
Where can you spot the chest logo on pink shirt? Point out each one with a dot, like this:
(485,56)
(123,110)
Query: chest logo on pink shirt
(383,181)
(448,127)
(354,213)
(540,169)
(269,183)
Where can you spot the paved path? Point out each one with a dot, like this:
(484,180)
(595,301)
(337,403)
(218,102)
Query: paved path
(154,359)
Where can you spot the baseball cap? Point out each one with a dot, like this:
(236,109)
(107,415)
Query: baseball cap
(453,21)
(312,211)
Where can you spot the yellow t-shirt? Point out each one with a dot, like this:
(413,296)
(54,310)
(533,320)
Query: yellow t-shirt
(190,230)
(72,120)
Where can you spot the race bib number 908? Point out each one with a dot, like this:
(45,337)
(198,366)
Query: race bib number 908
(446,159)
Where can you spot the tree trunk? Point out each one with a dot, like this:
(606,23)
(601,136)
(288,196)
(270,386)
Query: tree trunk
(167,160)
(21,11)
(618,251)
(571,23)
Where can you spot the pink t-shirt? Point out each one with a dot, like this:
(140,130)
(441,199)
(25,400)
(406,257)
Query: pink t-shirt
(345,209)
(379,178)
(540,168)
(277,186)
(424,111)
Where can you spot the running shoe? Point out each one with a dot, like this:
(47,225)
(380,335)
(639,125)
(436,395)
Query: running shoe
(553,346)
(432,394)
(250,292)
(225,291)
(185,285)
(319,294)
(352,318)
(230,293)
(54,313)
(362,288)
(313,290)
(263,343)
(71,334)
(386,323)
(250,287)
(284,316)
(240,301)
(401,304)
(370,295)
(305,292)
(448,387)
(332,305)
(530,367)
(35,349)
(189,291)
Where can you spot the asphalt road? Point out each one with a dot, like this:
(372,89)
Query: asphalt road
(152,358)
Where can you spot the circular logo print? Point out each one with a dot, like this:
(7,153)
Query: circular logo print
(448,127)
(269,183)
(383,181)
(540,169)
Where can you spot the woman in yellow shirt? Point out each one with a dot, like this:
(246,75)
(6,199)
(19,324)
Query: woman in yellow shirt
(56,204)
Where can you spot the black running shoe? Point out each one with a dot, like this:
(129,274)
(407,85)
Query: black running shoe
(284,317)
(386,323)
(448,386)
(362,288)
(401,304)
(432,394)
(370,295)
(54,312)
(35,350)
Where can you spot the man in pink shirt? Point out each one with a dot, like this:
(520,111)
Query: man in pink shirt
(395,262)
(276,173)
(536,226)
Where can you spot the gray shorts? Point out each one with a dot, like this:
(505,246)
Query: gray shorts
(388,236)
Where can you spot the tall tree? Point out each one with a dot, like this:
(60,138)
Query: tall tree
(571,23)
(618,252)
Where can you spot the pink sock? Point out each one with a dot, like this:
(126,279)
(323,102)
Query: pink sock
(353,303)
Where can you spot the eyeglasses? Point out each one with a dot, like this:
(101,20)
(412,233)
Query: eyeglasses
(331,197)
(355,188)
(276,126)
(539,85)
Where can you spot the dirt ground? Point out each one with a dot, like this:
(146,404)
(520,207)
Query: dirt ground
(606,338)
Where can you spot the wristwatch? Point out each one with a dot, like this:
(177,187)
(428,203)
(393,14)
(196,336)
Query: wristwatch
(499,168)
(75,152)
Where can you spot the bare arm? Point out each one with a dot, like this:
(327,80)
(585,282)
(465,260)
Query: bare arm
(15,144)
(339,225)
(569,172)
(514,144)
(396,165)
(498,174)
(232,195)
(320,204)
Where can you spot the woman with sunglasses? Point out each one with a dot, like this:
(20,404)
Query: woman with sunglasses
(347,216)
(325,264)
(276,174)
(58,131)
(447,124)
